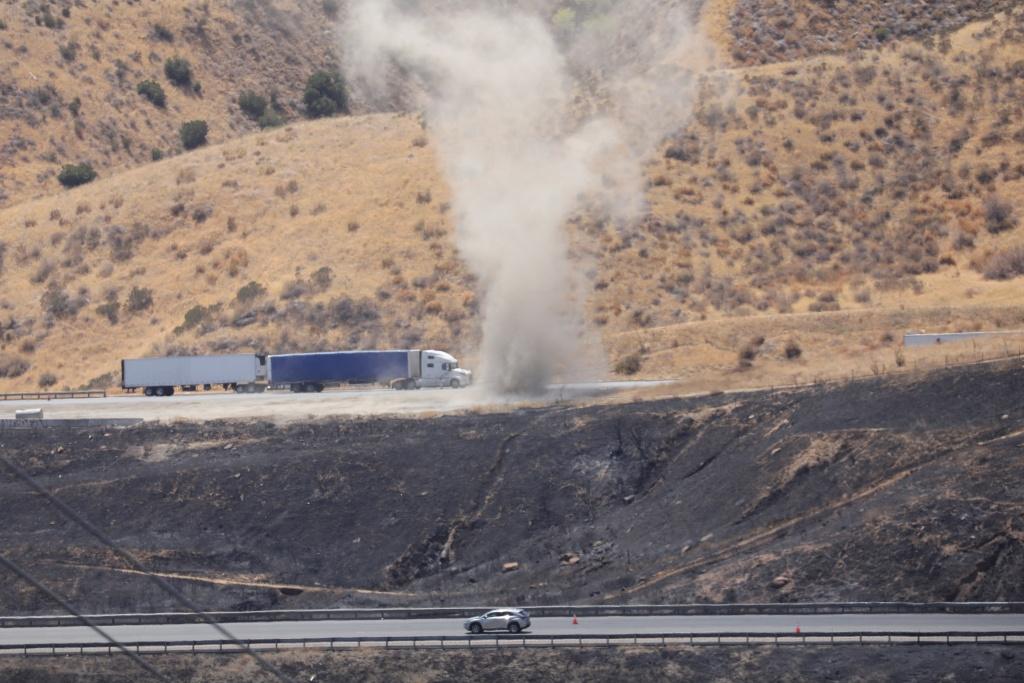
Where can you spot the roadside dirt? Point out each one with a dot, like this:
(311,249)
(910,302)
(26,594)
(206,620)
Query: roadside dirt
(853,664)
(908,489)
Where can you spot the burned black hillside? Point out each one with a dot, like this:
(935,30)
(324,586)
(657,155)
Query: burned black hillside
(889,489)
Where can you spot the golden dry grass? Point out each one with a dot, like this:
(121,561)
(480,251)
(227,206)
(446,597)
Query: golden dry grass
(357,207)
(269,47)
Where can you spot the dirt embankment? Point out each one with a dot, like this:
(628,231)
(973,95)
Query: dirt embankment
(876,490)
(853,664)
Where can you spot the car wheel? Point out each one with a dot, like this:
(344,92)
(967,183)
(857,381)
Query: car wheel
(514,627)
(454,384)
(476,628)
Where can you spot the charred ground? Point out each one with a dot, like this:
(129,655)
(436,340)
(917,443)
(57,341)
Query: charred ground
(890,489)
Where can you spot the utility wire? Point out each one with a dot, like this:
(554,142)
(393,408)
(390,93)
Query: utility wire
(60,600)
(135,564)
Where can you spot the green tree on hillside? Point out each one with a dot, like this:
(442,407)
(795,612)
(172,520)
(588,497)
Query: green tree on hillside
(193,134)
(325,95)
(152,91)
(252,104)
(73,175)
(178,71)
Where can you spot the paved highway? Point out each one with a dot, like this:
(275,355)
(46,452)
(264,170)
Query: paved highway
(283,406)
(829,623)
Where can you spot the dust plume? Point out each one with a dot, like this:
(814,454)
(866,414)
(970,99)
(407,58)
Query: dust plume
(504,97)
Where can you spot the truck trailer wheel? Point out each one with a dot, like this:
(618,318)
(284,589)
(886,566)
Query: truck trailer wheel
(455,384)
(148,391)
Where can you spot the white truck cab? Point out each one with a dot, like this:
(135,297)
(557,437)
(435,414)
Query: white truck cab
(440,369)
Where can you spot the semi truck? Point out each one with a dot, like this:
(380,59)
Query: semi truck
(401,369)
(299,372)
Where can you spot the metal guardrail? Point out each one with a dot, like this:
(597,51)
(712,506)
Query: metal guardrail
(537,611)
(530,640)
(918,339)
(51,395)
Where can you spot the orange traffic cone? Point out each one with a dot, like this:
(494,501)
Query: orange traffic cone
(574,619)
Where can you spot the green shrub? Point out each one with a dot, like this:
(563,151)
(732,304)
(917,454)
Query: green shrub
(13,366)
(69,51)
(48,20)
(251,291)
(110,311)
(75,106)
(193,134)
(47,379)
(163,33)
(139,299)
(3,25)
(59,304)
(331,8)
(271,119)
(1006,264)
(629,365)
(252,104)
(73,175)
(178,71)
(347,311)
(325,95)
(999,216)
(156,154)
(194,317)
(153,92)
(322,278)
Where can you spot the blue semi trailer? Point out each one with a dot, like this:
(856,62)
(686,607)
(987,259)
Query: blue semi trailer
(399,369)
(247,373)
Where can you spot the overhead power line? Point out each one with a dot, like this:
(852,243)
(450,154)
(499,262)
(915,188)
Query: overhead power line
(60,600)
(135,564)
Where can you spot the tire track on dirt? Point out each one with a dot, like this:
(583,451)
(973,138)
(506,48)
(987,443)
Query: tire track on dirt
(244,583)
(493,478)
(765,535)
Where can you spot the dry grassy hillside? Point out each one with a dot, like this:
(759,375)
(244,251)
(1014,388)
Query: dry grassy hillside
(887,179)
(825,205)
(775,30)
(69,73)
(346,248)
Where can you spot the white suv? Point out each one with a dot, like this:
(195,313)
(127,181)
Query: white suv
(511,620)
